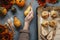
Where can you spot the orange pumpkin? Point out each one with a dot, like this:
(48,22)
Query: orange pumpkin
(20,3)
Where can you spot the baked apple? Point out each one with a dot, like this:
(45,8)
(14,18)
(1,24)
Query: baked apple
(53,14)
(45,14)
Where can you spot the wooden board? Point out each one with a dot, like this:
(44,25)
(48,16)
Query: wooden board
(39,9)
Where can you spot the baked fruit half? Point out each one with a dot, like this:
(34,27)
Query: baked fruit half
(45,23)
(45,14)
(53,23)
(53,14)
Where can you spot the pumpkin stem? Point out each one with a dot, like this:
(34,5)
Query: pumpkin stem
(20,0)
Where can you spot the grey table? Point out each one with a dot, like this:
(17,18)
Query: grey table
(20,15)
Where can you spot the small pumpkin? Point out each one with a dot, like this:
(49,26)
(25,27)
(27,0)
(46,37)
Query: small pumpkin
(3,11)
(20,3)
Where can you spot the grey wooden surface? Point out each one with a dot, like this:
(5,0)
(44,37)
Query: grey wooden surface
(20,14)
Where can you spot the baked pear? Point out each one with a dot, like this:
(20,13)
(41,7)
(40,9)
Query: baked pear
(27,10)
(50,36)
(44,32)
(17,22)
(45,23)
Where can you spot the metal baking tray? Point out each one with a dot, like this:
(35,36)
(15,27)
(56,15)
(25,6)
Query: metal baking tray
(40,19)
